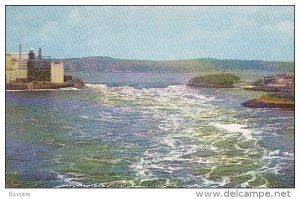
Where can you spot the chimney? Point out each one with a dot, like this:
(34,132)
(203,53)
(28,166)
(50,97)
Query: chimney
(40,54)
(31,55)
(20,52)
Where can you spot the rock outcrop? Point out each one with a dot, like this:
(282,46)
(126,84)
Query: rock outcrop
(224,80)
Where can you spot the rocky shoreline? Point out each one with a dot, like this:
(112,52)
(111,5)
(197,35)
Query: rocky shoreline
(256,103)
(280,89)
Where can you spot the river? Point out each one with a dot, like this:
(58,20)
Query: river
(146,130)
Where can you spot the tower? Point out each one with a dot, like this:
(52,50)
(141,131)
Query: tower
(30,65)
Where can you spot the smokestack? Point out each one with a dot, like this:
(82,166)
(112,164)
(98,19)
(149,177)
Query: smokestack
(40,54)
(31,56)
(20,52)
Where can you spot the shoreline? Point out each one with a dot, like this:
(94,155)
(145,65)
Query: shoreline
(258,103)
(44,85)
(46,89)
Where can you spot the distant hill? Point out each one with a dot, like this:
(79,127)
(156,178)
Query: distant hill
(108,64)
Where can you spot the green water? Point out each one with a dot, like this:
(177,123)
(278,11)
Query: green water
(122,136)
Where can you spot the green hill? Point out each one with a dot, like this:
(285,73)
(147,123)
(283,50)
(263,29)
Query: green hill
(107,64)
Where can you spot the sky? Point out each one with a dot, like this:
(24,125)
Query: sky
(154,32)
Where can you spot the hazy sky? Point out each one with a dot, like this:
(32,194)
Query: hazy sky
(153,33)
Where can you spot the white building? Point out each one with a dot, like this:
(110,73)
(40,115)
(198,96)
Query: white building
(15,66)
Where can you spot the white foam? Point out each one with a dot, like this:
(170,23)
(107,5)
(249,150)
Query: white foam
(274,153)
(288,154)
(69,89)
(278,153)
(97,86)
(183,113)
(74,181)
(175,95)
(235,128)
(245,184)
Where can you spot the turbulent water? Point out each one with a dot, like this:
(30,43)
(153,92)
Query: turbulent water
(146,135)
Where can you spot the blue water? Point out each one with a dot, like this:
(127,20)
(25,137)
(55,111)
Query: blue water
(146,130)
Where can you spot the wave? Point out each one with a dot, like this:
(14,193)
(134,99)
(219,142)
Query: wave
(69,89)
(171,95)
(280,153)
(96,85)
(73,180)
(235,128)
(192,131)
